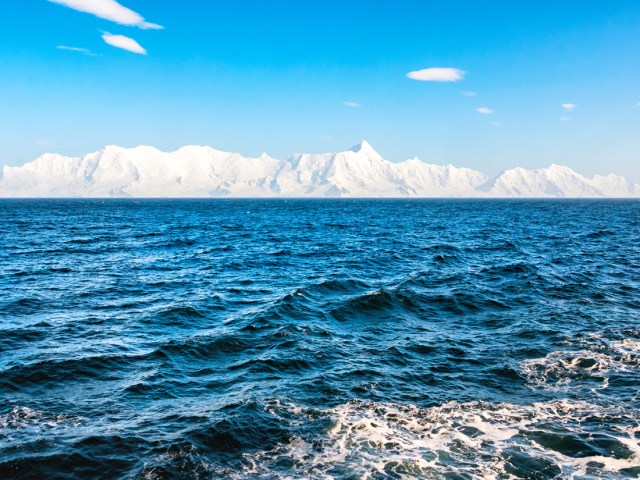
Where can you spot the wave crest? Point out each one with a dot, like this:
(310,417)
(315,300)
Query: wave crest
(470,440)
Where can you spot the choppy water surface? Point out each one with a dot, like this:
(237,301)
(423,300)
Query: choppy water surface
(319,339)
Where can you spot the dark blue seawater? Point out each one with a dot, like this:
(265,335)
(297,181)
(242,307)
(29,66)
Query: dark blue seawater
(346,339)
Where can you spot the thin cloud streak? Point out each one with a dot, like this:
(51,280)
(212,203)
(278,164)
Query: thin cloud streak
(352,104)
(468,94)
(568,106)
(437,75)
(484,110)
(125,43)
(84,51)
(109,10)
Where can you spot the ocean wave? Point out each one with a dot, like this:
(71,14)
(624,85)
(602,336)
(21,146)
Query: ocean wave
(593,360)
(148,339)
(21,417)
(23,306)
(476,440)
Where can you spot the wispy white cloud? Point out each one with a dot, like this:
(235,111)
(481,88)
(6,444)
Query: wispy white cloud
(468,94)
(496,124)
(484,110)
(352,104)
(84,51)
(565,119)
(437,75)
(109,10)
(125,43)
(568,106)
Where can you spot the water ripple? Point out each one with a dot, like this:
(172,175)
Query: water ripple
(338,339)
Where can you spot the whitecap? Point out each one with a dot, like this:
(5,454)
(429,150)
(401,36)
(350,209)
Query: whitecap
(480,440)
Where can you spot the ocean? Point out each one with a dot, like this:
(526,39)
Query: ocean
(328,339)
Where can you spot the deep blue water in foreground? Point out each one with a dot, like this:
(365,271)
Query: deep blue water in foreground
(319,339)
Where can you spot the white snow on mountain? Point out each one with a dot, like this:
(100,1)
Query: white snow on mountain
(196,171)
(558,181)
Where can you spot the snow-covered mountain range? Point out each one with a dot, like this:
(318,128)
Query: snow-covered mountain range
(197,171)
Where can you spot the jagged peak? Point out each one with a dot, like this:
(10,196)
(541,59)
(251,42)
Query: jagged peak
(364,147)
(265,156)
(410,161)
(302,174)
(194,149)
(559,168)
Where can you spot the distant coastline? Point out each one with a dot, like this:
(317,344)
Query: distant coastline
(360,172)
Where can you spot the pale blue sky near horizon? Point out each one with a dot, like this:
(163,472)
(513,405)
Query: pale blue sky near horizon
(283,77)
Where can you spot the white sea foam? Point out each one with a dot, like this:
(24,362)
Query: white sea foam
(476,440)
(29,423)
(595,360)
(23,417)
(483,440)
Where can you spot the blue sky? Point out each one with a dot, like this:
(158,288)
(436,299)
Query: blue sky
(314,76)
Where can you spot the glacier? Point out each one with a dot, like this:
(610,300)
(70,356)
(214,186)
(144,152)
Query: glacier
(200,171)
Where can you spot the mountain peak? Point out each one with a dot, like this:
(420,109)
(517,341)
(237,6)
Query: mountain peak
(365,148)
(199,171)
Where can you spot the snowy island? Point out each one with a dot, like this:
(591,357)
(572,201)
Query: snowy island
(197,171)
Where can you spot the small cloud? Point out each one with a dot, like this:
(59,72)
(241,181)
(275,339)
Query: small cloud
(484,110)
(84,51)
(109,10)
(568,106)
(437,75)
(565,119)
(351,104)
(496,124)
(125,43)
(468,94)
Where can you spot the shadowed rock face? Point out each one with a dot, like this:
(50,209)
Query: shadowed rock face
(197,171)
